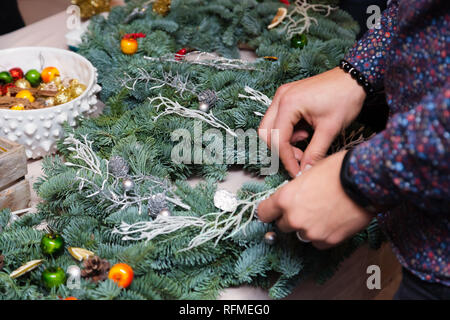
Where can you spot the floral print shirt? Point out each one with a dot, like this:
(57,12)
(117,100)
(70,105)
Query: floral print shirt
(406,166)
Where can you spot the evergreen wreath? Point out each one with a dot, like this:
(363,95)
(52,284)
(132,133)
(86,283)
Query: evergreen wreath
(83,200)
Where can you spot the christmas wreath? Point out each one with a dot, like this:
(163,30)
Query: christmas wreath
(114,193)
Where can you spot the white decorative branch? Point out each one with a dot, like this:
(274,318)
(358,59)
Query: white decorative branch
(180,84)
(206,59)
(214,226)
(298,20)
(106,190)
(173,107)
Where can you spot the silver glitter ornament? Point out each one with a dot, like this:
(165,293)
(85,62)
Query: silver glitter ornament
(270,237)
(118,166)
(206,99)
(165,213)
(128,184)
(156,203)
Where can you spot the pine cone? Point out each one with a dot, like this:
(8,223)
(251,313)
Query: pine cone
(2,261)
(208,96)
(95,269)
(118,166)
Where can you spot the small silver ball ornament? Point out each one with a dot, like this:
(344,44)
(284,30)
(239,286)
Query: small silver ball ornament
(270,237)
(204,107)
(128,184)
(165,213)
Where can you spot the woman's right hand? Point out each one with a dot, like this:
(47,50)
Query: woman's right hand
(329,102)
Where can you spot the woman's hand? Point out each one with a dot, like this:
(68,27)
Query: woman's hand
(329,102)
(316,205)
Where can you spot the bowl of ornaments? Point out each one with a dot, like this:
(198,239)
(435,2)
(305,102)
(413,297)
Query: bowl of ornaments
(40,89)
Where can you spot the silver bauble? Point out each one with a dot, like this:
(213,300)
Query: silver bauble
(128,184)
(270,237)
(203,107)
(165,213)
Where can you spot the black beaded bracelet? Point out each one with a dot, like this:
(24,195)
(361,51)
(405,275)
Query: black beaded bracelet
(358,76)
(351,189)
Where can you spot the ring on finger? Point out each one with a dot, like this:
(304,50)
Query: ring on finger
(300,238)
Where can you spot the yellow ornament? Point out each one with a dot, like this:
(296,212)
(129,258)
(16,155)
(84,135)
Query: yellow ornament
(62,96)
(161,7)
(22,83)
(88,8)
(77,90)
(80,254)
(17,107)
(25,94)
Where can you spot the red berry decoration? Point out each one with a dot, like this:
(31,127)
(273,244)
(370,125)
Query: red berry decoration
(16,73)
(180,54)
(134,35)
(286,2)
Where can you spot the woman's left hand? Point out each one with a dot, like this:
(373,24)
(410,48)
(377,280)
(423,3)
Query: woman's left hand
(316,205)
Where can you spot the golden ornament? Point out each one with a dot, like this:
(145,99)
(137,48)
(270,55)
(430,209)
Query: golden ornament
(88,8)
(62,96)
(77,90)
(27,267)
(50,101)
(48,86)
(80,254)
(57,80)
(161,7)
(22,83)
(73,82)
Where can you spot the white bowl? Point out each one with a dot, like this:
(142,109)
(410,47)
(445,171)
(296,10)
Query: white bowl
(38,130)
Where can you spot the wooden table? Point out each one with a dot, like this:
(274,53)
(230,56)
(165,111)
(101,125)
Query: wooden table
(348,283)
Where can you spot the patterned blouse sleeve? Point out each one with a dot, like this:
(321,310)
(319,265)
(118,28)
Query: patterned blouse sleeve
(410,159)
(368,55)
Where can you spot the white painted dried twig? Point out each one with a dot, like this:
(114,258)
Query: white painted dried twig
(214,226)
(206,59)
(148,230)
(84,152)
(180,84)
(256,95)
(173,107)
(298,20)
